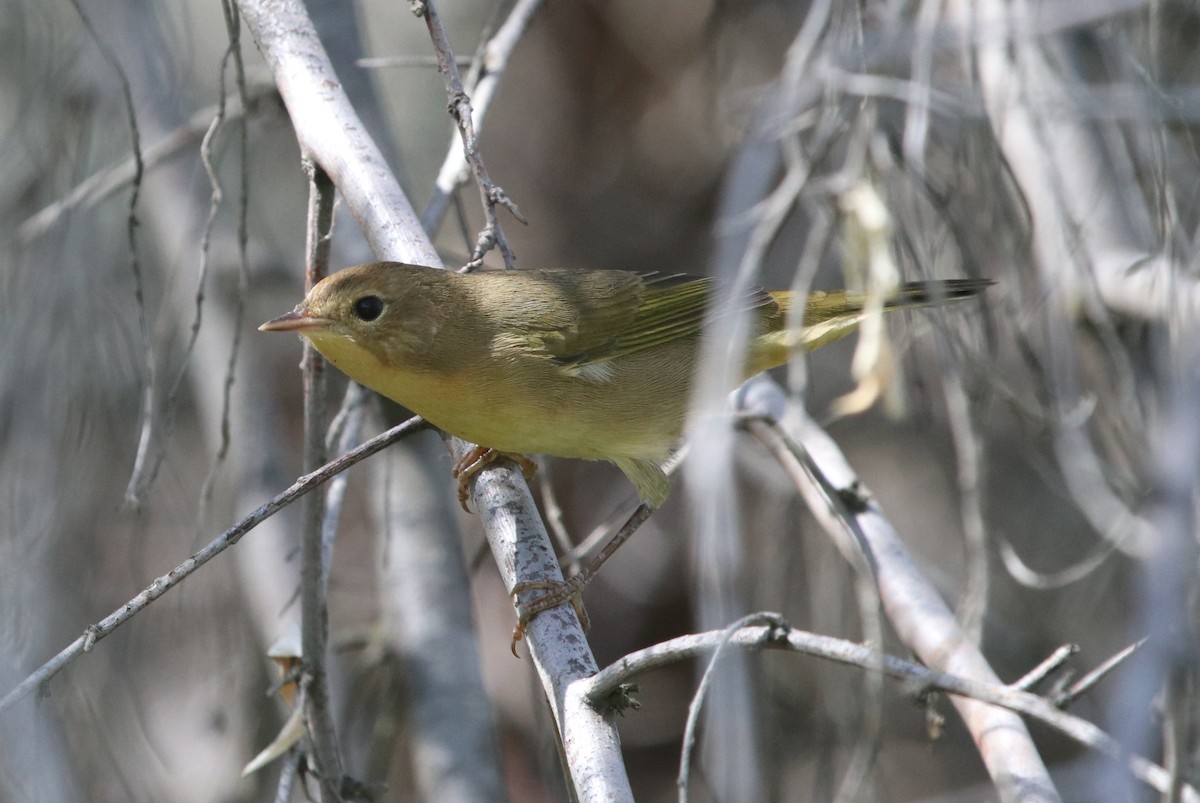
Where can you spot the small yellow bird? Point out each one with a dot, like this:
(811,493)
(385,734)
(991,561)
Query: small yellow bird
(593,364)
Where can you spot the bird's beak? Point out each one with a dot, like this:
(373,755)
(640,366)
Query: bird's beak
(298,320)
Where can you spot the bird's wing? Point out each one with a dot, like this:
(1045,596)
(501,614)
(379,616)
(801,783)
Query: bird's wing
(651,309)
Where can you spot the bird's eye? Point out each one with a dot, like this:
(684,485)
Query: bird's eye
(368,308)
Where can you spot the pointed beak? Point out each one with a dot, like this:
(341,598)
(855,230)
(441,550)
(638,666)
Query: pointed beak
(298,320)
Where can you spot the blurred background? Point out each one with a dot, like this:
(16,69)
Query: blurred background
(141,413)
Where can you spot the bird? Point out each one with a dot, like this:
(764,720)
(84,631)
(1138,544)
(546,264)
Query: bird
(591,364)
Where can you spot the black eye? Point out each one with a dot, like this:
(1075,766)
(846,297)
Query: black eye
(368,308)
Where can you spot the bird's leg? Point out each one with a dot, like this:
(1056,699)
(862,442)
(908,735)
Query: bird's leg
(479,458)
(560,591)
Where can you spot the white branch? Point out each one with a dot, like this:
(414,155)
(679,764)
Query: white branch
(608,682)
(556,640)
(919,615)
(331,133)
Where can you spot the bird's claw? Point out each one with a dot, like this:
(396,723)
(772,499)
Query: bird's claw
(479,458)
(557,593)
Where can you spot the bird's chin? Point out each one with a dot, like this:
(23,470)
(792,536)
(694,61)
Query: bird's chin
(295,321)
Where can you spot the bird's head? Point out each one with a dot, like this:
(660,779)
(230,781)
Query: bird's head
(389,309)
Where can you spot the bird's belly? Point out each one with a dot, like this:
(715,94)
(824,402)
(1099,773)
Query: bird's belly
(561,415)
(536,407)
(563,421)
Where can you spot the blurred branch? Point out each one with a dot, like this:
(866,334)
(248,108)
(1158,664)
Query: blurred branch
(133,489)
(607,685)
(378,62)
(343,432)
(427,624)
(771,621)
(914,608)
(459,105)
(1093,234)
(233,28)
(314,611)
(166,582)
(1094,238)
(103,183)
(968,451)
(1046,668)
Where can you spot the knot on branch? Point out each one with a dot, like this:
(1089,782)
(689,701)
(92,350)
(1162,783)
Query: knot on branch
(777,632)
(855,497)
(497,196)
(459,104)
(620,700)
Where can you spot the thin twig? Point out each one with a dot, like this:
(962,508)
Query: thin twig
(231,536)
(377,62)
(233,27)
(552,515)
(491,194)
(148,390)
(604,684)
(1085,683)
(602,532)
(343,431)
(769,620)
(287,776)
(314,611)
(1046,667)
(232,53)
(968,451)
(482,83)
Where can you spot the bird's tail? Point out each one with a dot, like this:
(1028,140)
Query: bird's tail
(830,316)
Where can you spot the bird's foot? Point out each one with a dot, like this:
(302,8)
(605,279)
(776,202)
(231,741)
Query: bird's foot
(557,593)
(479,458)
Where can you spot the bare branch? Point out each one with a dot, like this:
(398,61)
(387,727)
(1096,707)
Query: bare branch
(496,54)
(166,582)
(1085,683)
(459,106)
(427,624)
(314,612)
(133,489)
(1043,670)
(915,609)
(555,639)
(1092,237)
(608,682)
